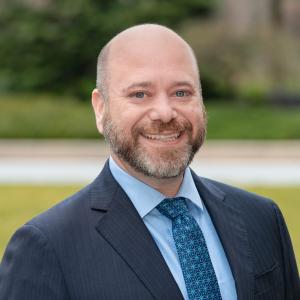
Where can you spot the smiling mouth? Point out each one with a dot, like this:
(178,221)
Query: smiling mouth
(162,137)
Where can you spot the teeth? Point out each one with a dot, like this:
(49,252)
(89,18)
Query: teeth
(162,137)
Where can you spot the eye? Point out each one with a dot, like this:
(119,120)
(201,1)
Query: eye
(138,95)
(182,93)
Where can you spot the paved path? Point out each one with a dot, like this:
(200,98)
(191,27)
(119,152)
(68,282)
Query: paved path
(79,161)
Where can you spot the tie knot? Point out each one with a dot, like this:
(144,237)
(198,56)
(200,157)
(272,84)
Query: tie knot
(173,207)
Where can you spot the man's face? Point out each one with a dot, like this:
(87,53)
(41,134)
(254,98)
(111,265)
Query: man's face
(154,119)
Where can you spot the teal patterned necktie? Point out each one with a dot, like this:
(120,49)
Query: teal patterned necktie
(198,272)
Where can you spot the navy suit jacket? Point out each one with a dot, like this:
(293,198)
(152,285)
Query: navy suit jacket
(94,245)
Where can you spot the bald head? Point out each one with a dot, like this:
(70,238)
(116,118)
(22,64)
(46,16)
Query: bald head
(146,39)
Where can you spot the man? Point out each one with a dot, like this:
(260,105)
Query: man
(148,227)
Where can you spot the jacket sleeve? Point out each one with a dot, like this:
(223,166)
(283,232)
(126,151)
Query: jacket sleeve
(292,282)
(30,269)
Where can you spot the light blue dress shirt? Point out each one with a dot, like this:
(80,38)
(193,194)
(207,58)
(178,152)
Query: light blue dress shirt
(145,199)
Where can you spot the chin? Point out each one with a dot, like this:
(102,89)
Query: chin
(159,164)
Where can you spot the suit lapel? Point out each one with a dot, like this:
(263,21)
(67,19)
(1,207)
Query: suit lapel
(125,231)
(232,232)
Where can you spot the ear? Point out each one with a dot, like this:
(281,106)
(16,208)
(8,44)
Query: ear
(99,108)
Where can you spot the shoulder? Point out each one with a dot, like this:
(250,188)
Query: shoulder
(63,212)
(38,251)
(233,194)
(76,211)
(253,208)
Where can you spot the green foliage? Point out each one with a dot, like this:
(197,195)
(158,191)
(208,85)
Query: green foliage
(44,116)
(249,67)
(238,120)
(55,47)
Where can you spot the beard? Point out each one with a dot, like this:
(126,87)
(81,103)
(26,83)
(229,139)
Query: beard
(159,163)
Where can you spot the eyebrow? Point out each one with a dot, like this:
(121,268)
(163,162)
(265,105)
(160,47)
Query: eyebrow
(142,84)
(149,84)
(182,83)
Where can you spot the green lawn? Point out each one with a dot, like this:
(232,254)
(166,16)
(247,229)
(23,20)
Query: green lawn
(20,203)
(44,116)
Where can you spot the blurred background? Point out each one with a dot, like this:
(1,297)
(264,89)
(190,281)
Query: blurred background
(249,60)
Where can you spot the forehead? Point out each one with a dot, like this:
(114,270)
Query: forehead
(141,55)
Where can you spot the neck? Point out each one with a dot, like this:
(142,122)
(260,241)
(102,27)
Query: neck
(167,186)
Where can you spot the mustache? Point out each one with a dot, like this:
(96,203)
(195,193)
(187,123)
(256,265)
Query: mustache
(157,127)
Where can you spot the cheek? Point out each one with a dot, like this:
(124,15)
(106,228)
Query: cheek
(196,116)
(130,117)
(124,121)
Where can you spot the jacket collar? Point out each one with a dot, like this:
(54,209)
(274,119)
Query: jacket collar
(125,231)
(122,227)
(230,226)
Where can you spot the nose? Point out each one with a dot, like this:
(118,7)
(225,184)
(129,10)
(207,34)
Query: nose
(162,110)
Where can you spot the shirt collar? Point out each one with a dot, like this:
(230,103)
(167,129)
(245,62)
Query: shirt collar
(144,197)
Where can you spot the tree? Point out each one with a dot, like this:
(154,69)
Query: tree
(54,47)
(276,7)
